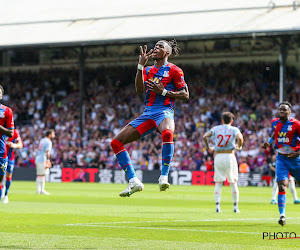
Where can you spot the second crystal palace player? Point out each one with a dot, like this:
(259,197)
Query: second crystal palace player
(286,132)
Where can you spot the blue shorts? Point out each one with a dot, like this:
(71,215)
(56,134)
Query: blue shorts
(3,166)
(147,122)
(10,166)
(284,165)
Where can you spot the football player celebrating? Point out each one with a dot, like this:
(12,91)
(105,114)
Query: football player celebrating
(286,131)
(163,82)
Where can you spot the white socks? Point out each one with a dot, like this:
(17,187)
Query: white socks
(43,183)
(218,194)
(293,189)
(134,179)
(40,184)
(235,194)
(275,191)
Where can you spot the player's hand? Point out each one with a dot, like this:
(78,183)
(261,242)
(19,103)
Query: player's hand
(10,144)
(144,55)
(293,155)
(265,145)
(155,87)
(48,164)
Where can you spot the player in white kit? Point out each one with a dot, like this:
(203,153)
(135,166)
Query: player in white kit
(42,161)
(226,139)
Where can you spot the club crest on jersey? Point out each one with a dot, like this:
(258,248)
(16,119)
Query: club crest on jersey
(2,114)
(290,128)
(166,74)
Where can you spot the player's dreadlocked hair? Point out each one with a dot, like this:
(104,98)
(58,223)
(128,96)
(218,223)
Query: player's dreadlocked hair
(174,46)
(285,103)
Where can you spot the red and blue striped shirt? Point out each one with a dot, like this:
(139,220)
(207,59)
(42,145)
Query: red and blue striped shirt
(170,76)
(7,121)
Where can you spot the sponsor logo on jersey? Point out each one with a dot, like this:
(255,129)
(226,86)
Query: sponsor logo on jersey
(156,79)
(290,128)
(282,134)
(2,113)
(284,140)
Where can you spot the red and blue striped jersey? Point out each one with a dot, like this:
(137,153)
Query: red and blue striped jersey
(7,121)
(172,78)
(286,133)
(15,139)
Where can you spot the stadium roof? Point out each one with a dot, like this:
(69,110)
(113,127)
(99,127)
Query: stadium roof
(68,23)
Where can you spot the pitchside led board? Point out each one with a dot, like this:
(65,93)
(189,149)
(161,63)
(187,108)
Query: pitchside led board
(184,177)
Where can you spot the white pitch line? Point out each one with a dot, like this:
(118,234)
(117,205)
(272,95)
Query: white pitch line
(171,229)
(169,221)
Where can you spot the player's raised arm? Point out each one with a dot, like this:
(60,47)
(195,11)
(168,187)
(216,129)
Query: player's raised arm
(139,78)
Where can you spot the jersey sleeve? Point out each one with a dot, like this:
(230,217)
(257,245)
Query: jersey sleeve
(213,130)
(47,146)
(17,136)
(178,78)
(9,121)
(298,127)
(273,124)
(237,131)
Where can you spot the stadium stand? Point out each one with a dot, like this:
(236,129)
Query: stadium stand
(49,99)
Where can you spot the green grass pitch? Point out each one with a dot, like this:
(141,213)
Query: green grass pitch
(93,216)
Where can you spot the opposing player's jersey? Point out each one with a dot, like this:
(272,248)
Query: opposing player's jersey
(15,139)
(7,121)
(286,135)
(224,137)
(44,146)
(171,77)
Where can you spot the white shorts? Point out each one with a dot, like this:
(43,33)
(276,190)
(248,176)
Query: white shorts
(225,165)
(41,169)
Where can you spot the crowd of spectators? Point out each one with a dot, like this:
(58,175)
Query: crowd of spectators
(50,99)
